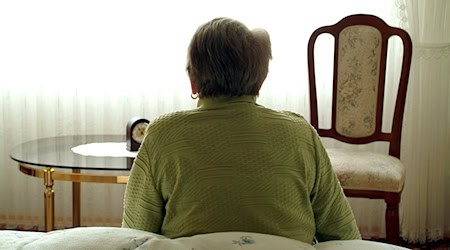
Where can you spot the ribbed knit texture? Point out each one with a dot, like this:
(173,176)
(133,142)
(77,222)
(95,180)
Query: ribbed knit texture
(233,165)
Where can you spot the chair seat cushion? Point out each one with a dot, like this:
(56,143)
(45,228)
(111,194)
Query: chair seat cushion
(362,170)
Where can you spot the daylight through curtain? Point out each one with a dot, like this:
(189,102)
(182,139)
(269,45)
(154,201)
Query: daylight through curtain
(426,134)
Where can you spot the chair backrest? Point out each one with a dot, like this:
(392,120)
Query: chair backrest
(360,55)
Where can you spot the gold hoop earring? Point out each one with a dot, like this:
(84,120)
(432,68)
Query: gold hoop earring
(194,96)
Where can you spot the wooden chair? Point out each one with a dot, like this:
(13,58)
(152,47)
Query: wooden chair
(359,69)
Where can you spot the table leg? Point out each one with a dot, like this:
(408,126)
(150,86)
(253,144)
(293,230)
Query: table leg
(49,200)
(76,187)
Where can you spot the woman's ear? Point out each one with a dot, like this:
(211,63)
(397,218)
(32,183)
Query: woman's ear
(194,89)
(260,85)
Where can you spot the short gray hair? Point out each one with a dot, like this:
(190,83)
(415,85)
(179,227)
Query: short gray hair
(225,58)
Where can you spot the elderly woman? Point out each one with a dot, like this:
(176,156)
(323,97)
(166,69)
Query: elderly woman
(231,164)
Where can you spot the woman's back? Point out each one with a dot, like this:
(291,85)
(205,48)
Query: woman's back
(232,165)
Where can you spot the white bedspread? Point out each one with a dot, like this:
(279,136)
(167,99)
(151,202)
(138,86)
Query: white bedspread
(123,238)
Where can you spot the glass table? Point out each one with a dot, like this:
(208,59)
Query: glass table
(50,158)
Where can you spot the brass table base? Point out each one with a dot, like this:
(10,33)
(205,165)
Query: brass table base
(76,177)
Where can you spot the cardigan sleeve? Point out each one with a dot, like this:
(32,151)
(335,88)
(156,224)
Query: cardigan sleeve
(143,205)
(332,212)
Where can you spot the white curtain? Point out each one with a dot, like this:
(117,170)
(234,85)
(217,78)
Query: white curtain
(426,134)
(86,67)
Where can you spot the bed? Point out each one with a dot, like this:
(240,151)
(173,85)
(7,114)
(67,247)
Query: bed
(124,238)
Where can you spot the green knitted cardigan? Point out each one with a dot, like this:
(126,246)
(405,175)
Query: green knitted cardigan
(234,165)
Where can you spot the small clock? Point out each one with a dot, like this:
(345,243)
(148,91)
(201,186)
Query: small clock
(135,132)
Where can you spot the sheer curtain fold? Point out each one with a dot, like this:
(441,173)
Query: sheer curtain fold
(87,68)
(426,140)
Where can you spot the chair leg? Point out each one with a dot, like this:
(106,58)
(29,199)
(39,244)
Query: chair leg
(392,219)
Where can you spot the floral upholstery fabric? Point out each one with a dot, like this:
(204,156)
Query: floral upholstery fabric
(357,80)
(361,170)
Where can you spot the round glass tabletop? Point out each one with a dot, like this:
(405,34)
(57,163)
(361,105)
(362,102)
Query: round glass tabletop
(89,152)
